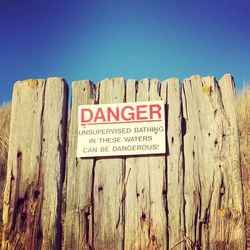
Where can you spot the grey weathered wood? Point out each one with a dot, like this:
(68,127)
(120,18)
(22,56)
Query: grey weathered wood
(108,182)
(232,164)
(171,94)
(145,185)
(32,200)
(79,177)
(212,206)
(136,202)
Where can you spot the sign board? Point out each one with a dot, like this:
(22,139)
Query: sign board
(136,128)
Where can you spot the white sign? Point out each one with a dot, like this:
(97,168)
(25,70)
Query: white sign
(136,128)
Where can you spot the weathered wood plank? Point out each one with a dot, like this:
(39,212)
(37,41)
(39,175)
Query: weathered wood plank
(145,182)
(79,177)
(108,182)
(32,200)
(157,186)
(208,184)
(236,224)
(171,94)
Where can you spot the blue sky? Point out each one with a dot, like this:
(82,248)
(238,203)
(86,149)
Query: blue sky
(96,39)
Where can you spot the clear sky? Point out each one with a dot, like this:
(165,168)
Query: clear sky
(96,39)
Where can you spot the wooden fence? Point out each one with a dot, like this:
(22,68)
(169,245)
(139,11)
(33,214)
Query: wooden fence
(189,198)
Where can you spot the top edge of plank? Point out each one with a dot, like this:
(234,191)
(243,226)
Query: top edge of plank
(79,82)
(225,77)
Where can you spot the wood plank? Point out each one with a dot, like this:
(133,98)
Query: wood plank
(79,177)
(171,94)
(108,182)
(32,200)
(145,181)
(210,205)
(236,226)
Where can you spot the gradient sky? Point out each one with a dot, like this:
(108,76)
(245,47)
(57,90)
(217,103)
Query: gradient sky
(96,39)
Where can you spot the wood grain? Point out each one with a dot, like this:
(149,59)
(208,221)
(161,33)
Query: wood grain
(79,177)
(32,200)
(108,181)
(171,94)
(189,197)
(212,183)
(145,179)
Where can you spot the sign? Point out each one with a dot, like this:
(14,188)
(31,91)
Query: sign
(136,128)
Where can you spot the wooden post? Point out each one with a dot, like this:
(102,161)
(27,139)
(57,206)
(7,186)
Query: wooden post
(212,184)
(32,200)
(79,177)
(171,94)
(236,224)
